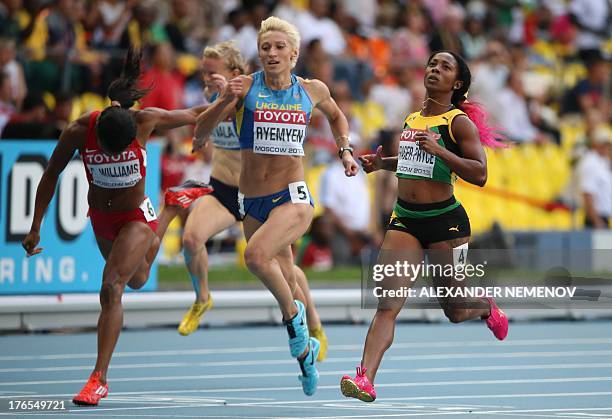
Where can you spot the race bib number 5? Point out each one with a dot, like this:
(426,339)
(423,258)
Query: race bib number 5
(279,132)
(147,209)
(299,193)
(411,159)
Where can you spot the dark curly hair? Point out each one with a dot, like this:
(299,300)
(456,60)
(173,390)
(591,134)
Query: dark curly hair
(116,127)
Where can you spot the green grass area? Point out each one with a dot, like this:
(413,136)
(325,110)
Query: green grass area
(177,276)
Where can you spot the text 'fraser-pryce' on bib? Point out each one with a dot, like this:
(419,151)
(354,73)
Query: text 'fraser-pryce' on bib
(279,132)
(411,159)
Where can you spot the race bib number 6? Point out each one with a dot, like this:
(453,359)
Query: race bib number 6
(299,193)
(147,209)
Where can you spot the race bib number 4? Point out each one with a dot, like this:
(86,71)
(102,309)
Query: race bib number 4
(460,254)
(299,193)
(147,209)
(411,160)
(279,132)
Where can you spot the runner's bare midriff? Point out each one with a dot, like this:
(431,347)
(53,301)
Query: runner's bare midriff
(424,191)
(226,166)
(268,174)
(113,200)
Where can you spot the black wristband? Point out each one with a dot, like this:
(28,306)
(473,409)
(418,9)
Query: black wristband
(343,149)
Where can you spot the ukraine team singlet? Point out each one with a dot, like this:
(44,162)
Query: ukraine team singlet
(414,163)
(224,135)
(274,121)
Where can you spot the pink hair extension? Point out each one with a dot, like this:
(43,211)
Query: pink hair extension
(489,135)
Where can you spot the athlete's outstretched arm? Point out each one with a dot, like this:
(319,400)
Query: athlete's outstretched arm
(162,119)
(234,91)
(374,162)
(471,166)
(210,118)
(70,141)
(319,92)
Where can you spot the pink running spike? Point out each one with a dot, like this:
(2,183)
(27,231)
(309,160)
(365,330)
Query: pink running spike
(358,387)
(497,321)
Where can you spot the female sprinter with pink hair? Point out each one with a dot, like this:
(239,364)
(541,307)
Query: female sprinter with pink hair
(446,136)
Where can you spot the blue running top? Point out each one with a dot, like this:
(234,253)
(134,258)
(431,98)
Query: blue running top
(274,121)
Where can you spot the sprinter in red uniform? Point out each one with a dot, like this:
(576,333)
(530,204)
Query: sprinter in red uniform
(112,145)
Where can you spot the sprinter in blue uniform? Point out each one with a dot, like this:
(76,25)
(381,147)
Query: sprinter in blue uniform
(219,210)
(273,109)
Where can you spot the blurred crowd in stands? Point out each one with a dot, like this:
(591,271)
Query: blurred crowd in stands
(541,68)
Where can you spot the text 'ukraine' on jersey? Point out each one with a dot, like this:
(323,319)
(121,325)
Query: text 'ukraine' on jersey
(274,121)
(122,170)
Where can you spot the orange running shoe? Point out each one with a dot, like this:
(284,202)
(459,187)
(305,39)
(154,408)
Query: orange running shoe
(183,195)
(93,391)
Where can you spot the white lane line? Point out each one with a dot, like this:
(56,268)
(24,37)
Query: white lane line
(175,415)
(532,415)
(93,414)
(560,410)
(112,367)
(157,415)
(289,361)
(419,414)
(331,373)
(380,415)
(164,393)
(554,413)
(602,365)
(17,393)
(293,374)
(89,411)
(356,347)
(500,355)
(250,417)
(453,397)
(111,409)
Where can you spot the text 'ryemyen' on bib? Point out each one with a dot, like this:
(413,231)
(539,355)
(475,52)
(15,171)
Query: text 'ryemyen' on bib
(411,160)
(279,132)
(118,171)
